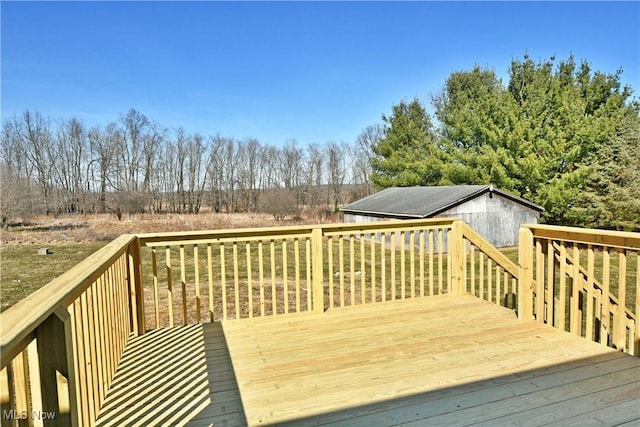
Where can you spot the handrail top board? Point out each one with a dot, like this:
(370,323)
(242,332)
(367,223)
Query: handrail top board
(285,231)
(621,239)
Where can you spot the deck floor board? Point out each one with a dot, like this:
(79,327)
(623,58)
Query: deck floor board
(445,360)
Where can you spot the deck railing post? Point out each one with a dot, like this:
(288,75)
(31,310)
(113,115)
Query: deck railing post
(55,355)
(525,279)
(457,259)
(136,289)
(318,270)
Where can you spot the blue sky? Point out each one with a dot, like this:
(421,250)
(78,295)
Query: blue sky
(313,71)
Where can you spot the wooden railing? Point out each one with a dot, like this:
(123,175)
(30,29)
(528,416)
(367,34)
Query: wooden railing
(489,274)
(230,274)
(586,282)
(60,347)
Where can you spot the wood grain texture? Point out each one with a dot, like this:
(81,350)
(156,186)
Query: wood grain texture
(441,360)
(353,362)
(174,376)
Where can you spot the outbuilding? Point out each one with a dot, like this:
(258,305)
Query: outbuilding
(496,214)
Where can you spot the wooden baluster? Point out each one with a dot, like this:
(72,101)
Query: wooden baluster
(481,278)
(450,266)
(539,282)
(97,344)
(183,285)
(598,316)
(373,284)
(551,275)
(562,304)
(156,295)
(296,256)
(86,339)
(412,263)
(498,285)
(440,263)
(210,279)
(272,260)
(196,270)
(489,280)
(223,281)
(620,329)
(352,268)
(309,262)
(21,388)
(590,292)
(285,282)
(505,292)
(464,278)
(363,271)
(431,251)
(249,280)
(108,319)
(167,256)
(472,260)
(393,265)
(421,243)
(331,272)
(236,282)
(341,268)
(575,306)
(261,278)
(403,251)
(383,266)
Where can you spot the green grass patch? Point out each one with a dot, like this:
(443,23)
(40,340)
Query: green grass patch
(23,271)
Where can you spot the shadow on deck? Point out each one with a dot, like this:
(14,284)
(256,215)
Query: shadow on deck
(175,376)
(428,361)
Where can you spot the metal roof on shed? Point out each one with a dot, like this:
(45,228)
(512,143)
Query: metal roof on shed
(424,202)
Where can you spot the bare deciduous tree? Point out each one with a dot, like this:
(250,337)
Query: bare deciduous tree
(337,169)
(314,167)
(133,165)
(278,202)
(71,147)
(103,146)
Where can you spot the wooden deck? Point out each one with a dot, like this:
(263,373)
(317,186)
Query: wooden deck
(445,360)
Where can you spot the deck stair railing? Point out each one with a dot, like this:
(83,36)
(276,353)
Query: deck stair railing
(61,346)
(583,281)
(487,272)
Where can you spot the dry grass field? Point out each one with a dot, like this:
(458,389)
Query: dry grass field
(71,239)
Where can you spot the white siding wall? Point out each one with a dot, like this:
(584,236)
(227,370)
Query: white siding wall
(496,218)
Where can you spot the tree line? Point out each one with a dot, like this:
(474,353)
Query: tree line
(134,165)
(557,133)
